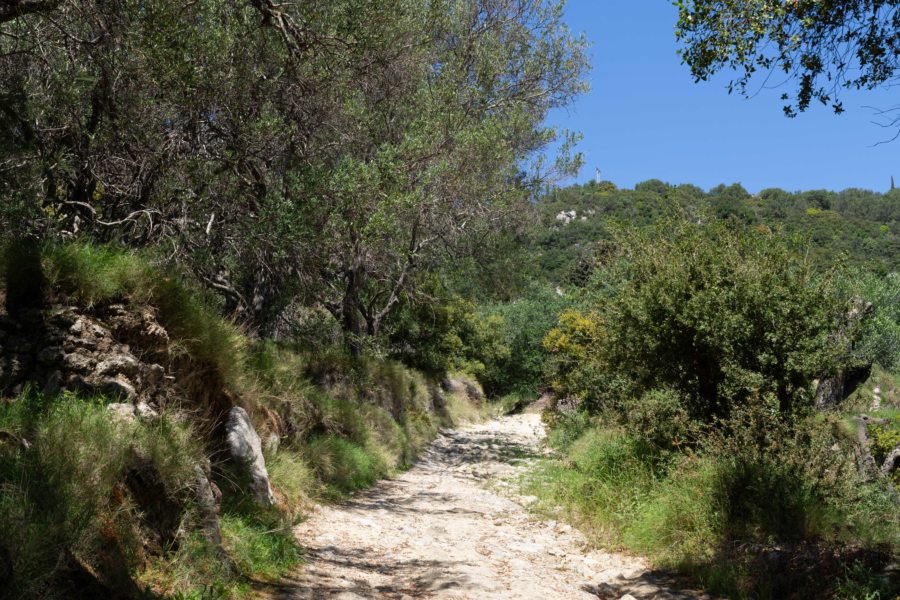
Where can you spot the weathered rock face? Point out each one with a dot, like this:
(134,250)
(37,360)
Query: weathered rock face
(64,348)
(246,452)
(831,391)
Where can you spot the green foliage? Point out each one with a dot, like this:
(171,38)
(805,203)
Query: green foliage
(343,465)
(259,547)
(693,347)
(92,274)
(808,41)
(64,495)
(448,334)
(886,438)
(660,418)
(853,226)
(687,510)
(860,583)
(878,335)
(718,316)
(525,322)
(600,482)
(293,479)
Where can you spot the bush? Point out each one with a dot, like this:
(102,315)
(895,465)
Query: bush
(720,315)
(660,419)
(886,438)
(525,323)
(878,335)
(759,484)
(442,332)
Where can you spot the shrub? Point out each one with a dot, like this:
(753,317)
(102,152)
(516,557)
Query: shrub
(884,439)
(659,418)
(718,314)
(525,322)
(444,332)
(878,334)
(758,484)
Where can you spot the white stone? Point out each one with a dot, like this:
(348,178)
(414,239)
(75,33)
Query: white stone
(246,450)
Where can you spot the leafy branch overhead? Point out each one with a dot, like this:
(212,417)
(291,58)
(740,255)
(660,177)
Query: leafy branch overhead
(315,152)
(818,47)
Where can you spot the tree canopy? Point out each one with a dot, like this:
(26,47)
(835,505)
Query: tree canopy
(319,152)
(821,47)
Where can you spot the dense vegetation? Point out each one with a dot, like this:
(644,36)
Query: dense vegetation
(696,330)
(293,193)
(341,218)
(857,227)
(74,509)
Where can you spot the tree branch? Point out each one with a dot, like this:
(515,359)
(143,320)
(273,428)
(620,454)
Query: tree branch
(13,9)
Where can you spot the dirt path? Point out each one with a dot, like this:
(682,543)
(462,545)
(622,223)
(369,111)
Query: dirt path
(437,531)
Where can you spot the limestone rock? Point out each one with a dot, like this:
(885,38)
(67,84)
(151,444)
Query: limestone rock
(78,361)
(145,411)
(122,363)
(246,451)
(118,388)
(121,410)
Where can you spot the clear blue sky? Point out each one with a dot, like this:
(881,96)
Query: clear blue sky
(646,118)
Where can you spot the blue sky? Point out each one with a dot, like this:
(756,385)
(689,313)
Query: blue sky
(645,117)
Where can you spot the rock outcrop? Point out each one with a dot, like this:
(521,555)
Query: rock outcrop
(64,348)
(831,391)
(246,453)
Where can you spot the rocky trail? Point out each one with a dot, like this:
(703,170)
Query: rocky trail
(453,526)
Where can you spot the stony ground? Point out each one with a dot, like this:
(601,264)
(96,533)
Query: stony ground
(439,531)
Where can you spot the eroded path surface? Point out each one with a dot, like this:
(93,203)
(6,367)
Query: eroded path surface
(438,531)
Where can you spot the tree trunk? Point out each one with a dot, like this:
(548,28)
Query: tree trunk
(351,315)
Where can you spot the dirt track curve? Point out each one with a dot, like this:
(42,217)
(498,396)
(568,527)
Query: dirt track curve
(439,531)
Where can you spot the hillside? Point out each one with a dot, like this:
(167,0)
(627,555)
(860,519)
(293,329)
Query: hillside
(147,446)
(857,226)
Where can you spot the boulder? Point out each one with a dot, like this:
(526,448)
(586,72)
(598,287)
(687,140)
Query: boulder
(246,452)
(145,412)
(78,361)
(831,391)
(124,364)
